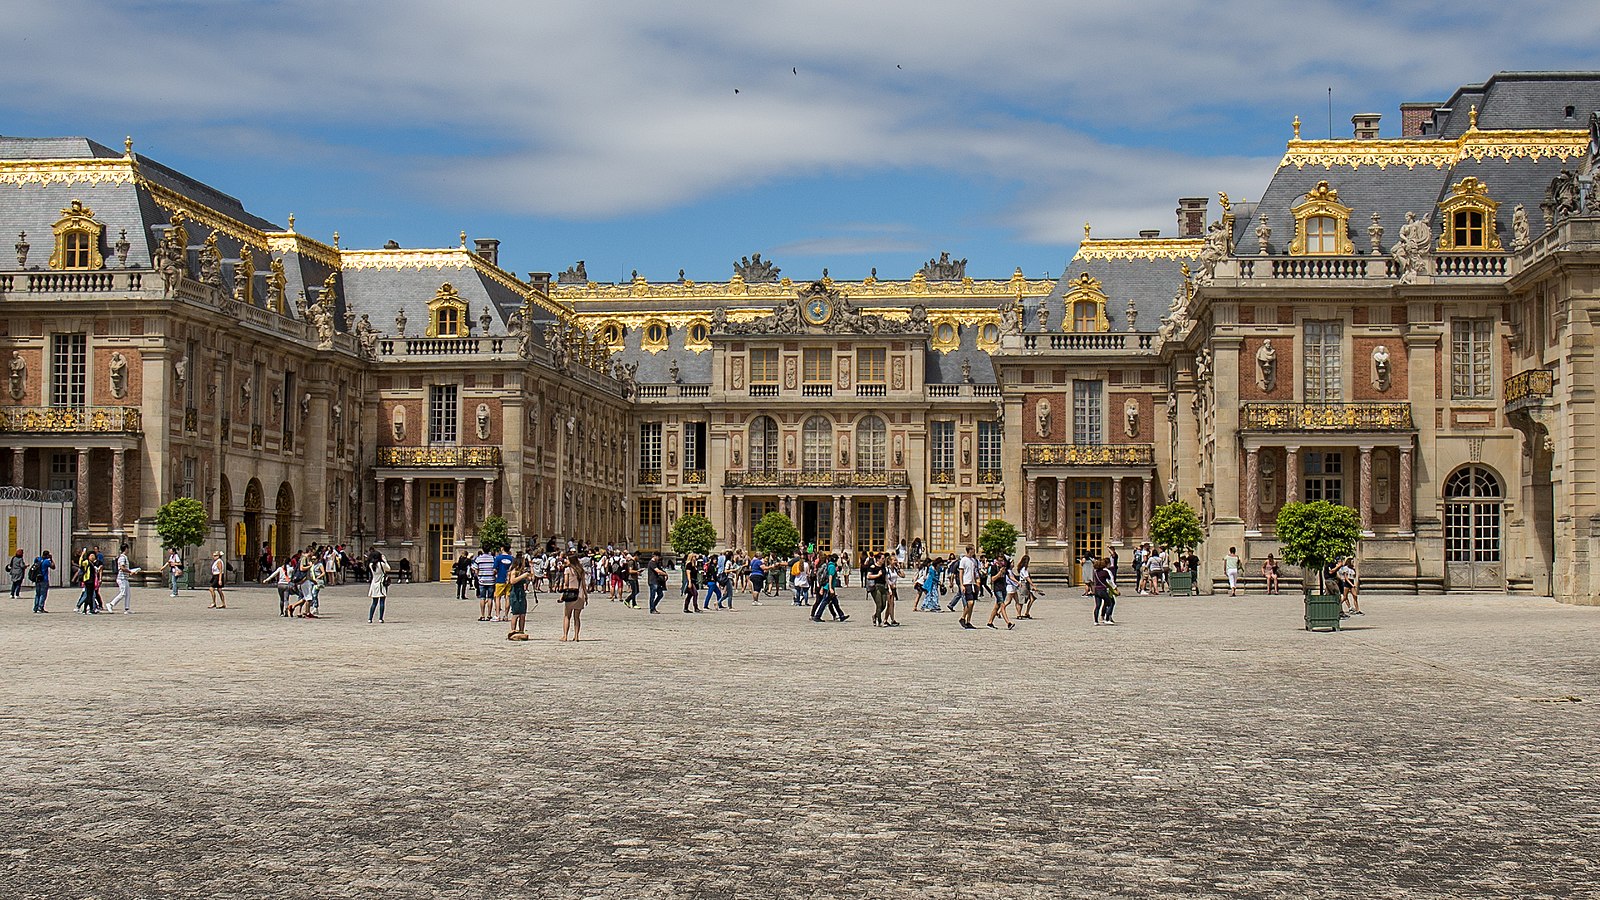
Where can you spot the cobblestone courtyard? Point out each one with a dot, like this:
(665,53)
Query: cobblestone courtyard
(1205,747)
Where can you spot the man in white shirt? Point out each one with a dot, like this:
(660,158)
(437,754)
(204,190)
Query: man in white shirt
(969,587)
(124,587)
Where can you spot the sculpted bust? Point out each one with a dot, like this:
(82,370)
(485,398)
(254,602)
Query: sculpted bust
(1041,417)
(1266,367)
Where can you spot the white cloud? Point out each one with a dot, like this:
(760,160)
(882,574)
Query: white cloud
(597,110)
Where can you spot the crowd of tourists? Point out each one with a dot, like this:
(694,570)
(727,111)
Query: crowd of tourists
(504,582)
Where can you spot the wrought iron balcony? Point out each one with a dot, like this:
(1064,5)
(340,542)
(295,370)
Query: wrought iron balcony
(1325,417)
(71,419)
(1528,388)
(1089,454)
(439,457)
(740,479)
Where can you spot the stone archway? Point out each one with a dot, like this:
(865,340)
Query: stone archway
(283,546)
(248,549)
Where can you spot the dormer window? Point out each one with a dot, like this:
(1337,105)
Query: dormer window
(77,239)
(611,333)
(447,313)
(1085,305)
(1468,215)
(1322,224)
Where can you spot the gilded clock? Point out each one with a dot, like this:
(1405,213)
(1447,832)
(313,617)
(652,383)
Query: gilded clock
(818,310)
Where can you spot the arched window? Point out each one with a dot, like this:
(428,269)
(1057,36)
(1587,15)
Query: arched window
(1321,224)
(446,320)
(77,236)
(1085,316)
(1322,236)
(872,440)
(76,246)
(817,445)
(1472,515)
(1468,215)
(763,445)
(1466,227)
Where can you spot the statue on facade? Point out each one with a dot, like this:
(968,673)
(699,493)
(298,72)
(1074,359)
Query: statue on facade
(211,262)
(119,375)
(321,316)
(22,249)
(1267,367)
(755,270)
(242,275)
(305,406)
(1212,252)
(1380,367)
(19,375)
(573,275)
(1563,194)
(247,389)
(278,286)
(674,373)
(944,268)
(628,374)
(556,342)
(1375,234)
(367,337)
(1130,418)
(1041,417)
(966,371)
(524,332)
(1263,235)
(918,320)
(1132,314)
(1011,317)
(397,424)
(400,322)
(485,321)
(180,373)
(1414,251)
(1519,228)
(483,421)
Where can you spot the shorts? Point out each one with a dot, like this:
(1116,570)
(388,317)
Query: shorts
(519,605)
(501,589)
(758,580)
(969,593)
(216,581)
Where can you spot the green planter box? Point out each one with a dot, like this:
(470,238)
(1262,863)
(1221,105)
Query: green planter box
(1181,583)
(1322,611)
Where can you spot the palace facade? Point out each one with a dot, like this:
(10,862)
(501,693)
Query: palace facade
(1400,324)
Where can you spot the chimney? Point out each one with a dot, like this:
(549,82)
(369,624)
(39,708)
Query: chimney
(1192,216)
(489,249)
(1414,118)
(540,281)
(1366,125)
(1150,233)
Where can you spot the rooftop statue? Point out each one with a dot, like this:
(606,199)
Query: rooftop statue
(573,275)
(944,269)
(1414,251)
(755,270)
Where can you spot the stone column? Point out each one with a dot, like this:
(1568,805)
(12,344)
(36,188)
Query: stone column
(1252,489)
(461,512)
(1030,508)
(836,529)
(382,509)
(17,470)
(1291,475)
(409,509)
(888,521)
(1147,505)
(82,502)
(1406,525)
(738,523)
(1116,511)
(492,488)
(119,471)
(1061,508)
(1366,490)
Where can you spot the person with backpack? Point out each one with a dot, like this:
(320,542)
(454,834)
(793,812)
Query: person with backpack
(378,588)
(16,567)
(283,578)
(827,591)
(656,580)
(39,574)
(691,577)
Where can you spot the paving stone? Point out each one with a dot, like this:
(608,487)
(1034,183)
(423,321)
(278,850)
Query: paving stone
(1204,747)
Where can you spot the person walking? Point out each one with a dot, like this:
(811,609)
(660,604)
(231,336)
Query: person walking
(1232,566)
(283,578)
(892,578)
(42,564)
(932,584)
(462,571)
(758,578)
(174,567)
(1105,596)
(125,573)
(656,580)
(630,577)
(378,588)
(574,597)
(1000,586)
(800,581)
(873,579)
(969,588)
(218,579)
(691,575)
(16,567)
(1025,588)
(517,584)
(826,589)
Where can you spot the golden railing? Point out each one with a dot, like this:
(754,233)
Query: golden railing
(70,420)
(1528,385)
(1325,417)
(439,457)
(1089,454)
(816,479)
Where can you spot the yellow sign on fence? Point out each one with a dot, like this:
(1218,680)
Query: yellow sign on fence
(11,537)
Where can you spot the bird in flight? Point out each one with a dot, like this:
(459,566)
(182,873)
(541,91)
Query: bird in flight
(796,70)
(897,65)
(736,90)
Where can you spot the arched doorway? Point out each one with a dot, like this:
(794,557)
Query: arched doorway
(283,532)
(1473,501)
(246,548)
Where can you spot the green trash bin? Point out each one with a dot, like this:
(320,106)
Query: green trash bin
(1322,611)
(1181,583)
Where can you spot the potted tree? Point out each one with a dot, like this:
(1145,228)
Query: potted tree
(181,523)
(692,533)
(493,532)
(1313,534)
(776,538)
(1177,525)
(998,537)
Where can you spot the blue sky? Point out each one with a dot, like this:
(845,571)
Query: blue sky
(862,135)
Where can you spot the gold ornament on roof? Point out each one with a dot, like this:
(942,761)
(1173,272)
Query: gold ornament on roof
(1321,201)
(1297,128)
(1469,197)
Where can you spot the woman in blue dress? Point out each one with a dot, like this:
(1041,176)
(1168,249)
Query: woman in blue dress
(930,586)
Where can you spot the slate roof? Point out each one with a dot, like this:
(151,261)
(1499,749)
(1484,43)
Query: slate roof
(381,292)
(1522,100)
(1149,283)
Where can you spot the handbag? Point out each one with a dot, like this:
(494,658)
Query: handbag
(569,595)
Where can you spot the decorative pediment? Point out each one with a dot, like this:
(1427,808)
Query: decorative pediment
(447,313)
(1314,234)
(819,308)
(1469,217)
(1082,293)
(78,238)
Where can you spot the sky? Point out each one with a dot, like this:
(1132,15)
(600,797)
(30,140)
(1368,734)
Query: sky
(838,134)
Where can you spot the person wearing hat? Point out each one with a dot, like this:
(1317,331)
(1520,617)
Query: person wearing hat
(218,601)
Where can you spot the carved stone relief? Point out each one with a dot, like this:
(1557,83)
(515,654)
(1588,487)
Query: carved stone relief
(398,423)
(1041,417)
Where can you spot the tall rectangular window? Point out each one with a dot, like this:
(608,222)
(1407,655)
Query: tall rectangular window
(444,413)
(1324,370)
(193,358)
(694,506)
(942,525)
(650,524)
(650,446)
(870,365)
(989,509)
(764,365)
(1324,477)
(1470,356)
(694,445)
(1087,414)
(291,404)
(69,369)
(818,365)
(942,444)
(63,471)
(989,451)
